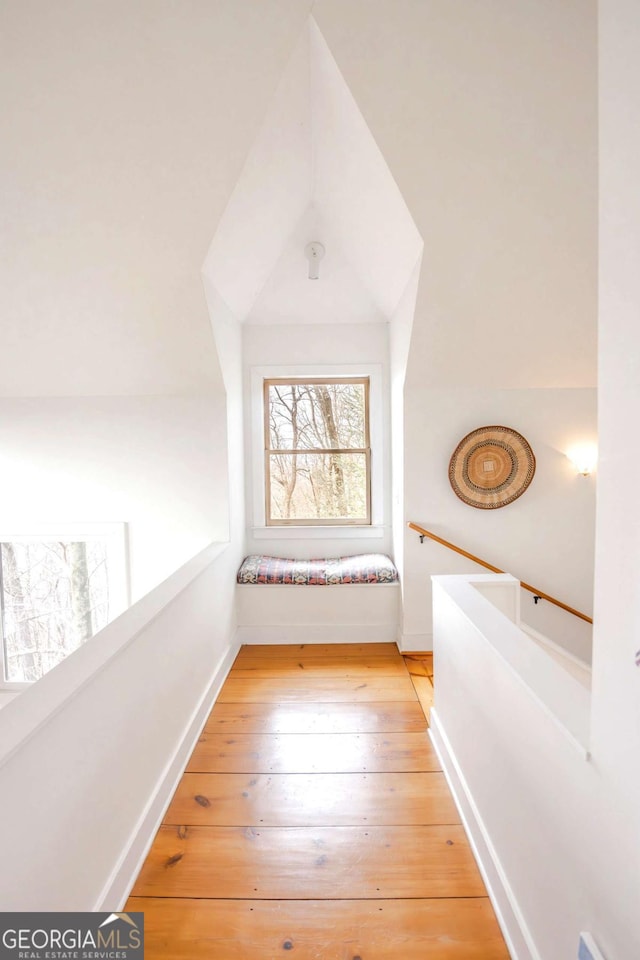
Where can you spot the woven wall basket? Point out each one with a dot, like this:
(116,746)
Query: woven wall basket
(491,467)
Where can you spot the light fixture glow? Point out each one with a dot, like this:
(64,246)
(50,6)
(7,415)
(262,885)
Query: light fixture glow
(584,458)
(314,252)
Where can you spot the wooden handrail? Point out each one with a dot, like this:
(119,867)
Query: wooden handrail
(488,566)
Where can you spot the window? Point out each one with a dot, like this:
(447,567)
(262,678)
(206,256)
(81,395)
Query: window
(56,591)
(317,451)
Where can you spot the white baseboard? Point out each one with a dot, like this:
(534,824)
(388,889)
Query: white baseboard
(514,929)
(415,641)
(118,887)
(319,633)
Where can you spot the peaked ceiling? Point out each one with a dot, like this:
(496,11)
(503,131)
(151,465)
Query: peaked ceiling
(314,173)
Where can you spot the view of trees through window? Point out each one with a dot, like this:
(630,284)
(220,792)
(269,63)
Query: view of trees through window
(318,458)
(54,595)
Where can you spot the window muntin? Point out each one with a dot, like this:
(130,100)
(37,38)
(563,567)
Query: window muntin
(317,451)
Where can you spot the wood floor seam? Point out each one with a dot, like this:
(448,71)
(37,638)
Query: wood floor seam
(313,816)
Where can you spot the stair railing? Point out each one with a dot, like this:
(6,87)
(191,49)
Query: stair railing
(537,594)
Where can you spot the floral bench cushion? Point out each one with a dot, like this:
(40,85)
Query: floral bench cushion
(363,568)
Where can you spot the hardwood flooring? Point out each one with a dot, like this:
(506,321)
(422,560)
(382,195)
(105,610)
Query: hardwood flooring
(420,667)
(313,752)
(313,818)
(317,718)
(297,689)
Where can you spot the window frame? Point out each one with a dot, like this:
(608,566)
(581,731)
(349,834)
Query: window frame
(270,451)
(380,439)
(115,537)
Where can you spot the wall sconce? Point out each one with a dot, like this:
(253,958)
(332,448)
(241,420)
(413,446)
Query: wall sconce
(314,252)
(584,458)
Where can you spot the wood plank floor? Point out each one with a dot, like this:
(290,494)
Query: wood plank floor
(313,818)
(420,667)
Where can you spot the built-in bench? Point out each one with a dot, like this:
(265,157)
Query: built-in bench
(363,568)
(280,615)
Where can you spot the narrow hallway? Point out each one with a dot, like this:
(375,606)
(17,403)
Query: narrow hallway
(313,818)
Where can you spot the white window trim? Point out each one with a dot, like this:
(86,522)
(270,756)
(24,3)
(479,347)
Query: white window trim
(116,539)
(374,371)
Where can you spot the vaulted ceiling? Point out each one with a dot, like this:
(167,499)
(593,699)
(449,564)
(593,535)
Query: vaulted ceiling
(129,134)
(314,173)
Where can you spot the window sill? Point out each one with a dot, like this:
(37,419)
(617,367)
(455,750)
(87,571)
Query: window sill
(319,533)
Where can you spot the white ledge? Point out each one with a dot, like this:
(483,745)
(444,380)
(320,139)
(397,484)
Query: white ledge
(25,714)
(558,692)
(318,533)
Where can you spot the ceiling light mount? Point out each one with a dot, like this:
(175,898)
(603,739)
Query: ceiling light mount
(314,252)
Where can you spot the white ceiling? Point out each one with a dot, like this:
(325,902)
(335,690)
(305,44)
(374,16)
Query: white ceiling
(113,180)
(125,127)
(314,173)
(338,296)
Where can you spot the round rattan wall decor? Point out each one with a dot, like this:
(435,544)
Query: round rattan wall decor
(491,467)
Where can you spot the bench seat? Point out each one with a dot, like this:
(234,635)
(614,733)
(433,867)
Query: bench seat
(364,568)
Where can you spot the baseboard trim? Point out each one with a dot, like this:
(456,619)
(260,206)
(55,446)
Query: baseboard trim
(420,642)
(115,892)
(319,633)
(514,929)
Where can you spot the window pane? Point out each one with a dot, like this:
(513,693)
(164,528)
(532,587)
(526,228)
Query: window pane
(54,597)
(318,486)
(303,416)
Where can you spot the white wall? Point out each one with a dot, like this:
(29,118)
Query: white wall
(91,754)
(357,613)
(487,119)
(151,462)
(227,333)
(231,454)
(616,679)
(293,347)
(487,122)
(399,344)
(546,537)
(567,832)
(116,171)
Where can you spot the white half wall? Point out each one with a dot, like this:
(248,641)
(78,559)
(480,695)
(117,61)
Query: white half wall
(91,754)
(553,835)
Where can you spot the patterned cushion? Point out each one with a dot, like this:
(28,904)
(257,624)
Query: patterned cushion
(364,568)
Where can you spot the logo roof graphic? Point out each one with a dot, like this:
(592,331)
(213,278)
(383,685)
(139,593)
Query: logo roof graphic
(119,916)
